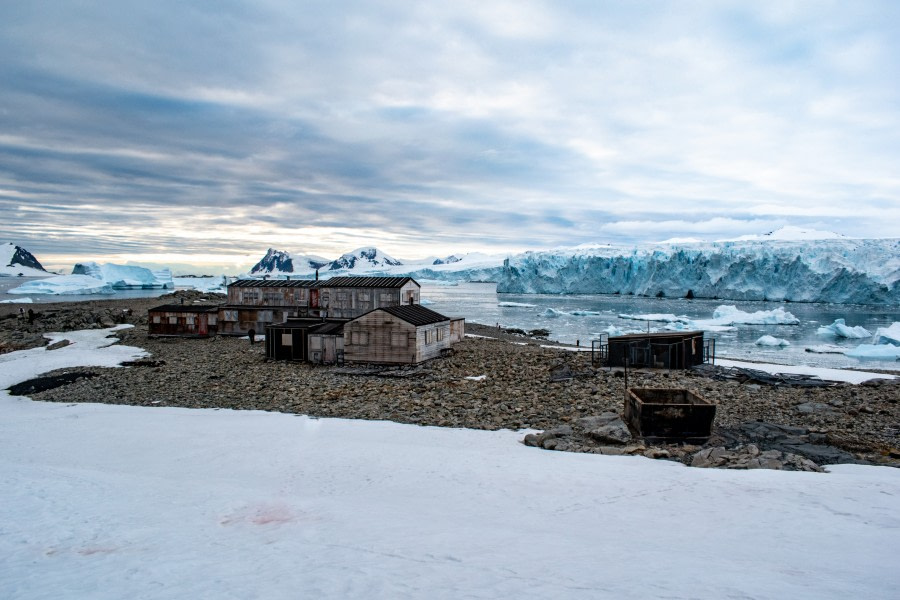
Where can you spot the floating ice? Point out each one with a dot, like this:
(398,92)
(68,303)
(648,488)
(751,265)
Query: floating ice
(887,335)
(826,349)
(65,285)
(515,305)
(725,317)
(17,301)
(768,340)
(840,329)
(425,301)
(127,277)
(553,313)
(875,352)
(585,313)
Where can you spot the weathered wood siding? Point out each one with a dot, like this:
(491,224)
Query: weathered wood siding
(457,330)
(324,348)
(347,303)
(379,337)
(239,320)
(182,324)
(432,339)
(269,296)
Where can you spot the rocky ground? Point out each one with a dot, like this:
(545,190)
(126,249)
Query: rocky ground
(575,405)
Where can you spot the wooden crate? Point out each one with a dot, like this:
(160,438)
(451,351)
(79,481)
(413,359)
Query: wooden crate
(669,414)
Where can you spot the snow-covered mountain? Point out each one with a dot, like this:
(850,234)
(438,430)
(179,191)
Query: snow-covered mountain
(839,270)
(372,261)
(364,259)
(277,262)
(15,260)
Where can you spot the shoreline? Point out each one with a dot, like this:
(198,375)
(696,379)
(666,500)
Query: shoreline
(517,392)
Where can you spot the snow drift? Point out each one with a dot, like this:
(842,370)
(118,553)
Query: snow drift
(832,270)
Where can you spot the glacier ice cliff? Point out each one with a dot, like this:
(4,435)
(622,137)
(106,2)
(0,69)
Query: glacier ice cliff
(834,270)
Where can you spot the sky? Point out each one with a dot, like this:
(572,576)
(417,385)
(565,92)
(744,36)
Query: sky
(182,132)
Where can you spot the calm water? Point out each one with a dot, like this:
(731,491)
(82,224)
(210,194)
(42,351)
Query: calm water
(479,302)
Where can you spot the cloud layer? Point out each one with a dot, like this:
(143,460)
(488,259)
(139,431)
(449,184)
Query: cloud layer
(222,128)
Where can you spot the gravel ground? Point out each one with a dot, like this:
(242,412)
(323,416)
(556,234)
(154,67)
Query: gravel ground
(516,392)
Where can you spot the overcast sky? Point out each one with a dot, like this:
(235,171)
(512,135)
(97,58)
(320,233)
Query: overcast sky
(200,132)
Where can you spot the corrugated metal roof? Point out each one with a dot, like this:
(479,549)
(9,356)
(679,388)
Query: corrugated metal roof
(328,329)
(365,282)
(415,314)
(274,283)
(186,308)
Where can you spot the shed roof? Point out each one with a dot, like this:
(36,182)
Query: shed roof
(274,283)
(186,308)
(415,314)
(328,329)
(657,335)
(366,282)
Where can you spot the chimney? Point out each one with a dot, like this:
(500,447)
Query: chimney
(317,274)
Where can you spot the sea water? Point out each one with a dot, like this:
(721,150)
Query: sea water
(480,303)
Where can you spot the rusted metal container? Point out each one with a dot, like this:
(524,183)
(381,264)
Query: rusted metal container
(666,414)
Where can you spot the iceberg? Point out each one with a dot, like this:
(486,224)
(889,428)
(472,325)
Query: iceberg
(838,270)
(768,340)
(17,301)
(840,329)
(515,305)
(127,277)
(887,335)
(553,313)
(724,318)
(875,352)
(65,285)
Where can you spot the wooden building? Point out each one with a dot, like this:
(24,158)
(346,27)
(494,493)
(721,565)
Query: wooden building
(183,320)
(294,293)
(665,350)
(306,339)
(350,297)
(405,334)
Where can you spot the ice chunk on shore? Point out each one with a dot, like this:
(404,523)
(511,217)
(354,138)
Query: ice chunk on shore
(127,277)
(65,285)
(840,329)
(876,352)
(769,340)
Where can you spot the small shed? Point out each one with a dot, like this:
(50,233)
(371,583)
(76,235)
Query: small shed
(306,339)
(183,320)
(665,350)
(405,334)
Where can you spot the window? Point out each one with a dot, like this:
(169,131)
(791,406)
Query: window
(364,296)
(386,297)
(440,334)
(399,339)
(173,320)
(189,320)
(287,339)
(359,338)
(249,296)
(315,343)
(156,319)
(229,315)
(429,336)
(265,316)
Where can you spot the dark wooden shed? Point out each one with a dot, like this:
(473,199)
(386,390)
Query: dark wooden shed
(183,320)
(306,339)
(663,350)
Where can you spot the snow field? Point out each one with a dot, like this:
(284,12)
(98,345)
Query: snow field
(104,501)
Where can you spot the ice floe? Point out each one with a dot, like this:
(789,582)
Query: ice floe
(840,329)
(769,340)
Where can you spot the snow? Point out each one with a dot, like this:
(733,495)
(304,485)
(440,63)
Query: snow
(126,277)
(768,340)
(875,352)
(887,335)
(840,329)
(792,233)
(425,301)
(476,377)
(844,375)
(782,267)
(105,502)
(553,313)
(64,285)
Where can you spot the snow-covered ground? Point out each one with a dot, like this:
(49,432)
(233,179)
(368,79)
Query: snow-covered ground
(103,501)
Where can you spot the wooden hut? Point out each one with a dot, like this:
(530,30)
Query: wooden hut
(405,334)
(183,320)
(350,297)
(666,350)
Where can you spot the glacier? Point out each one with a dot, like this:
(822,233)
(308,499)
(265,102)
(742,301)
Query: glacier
(837,270)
